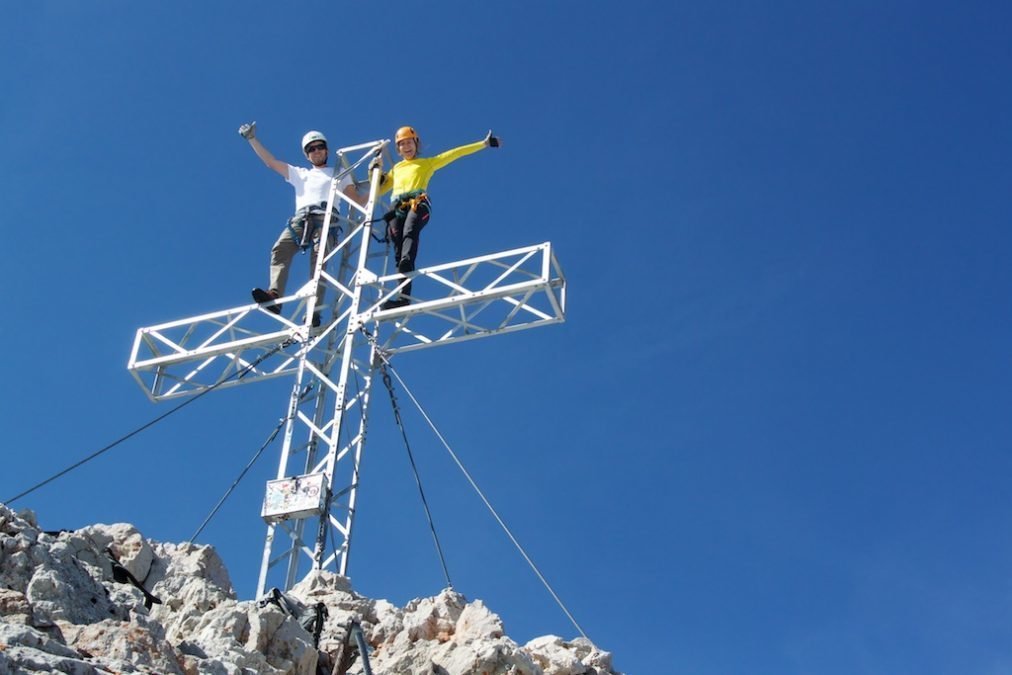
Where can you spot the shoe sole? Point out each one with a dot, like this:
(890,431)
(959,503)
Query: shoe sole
(261,297)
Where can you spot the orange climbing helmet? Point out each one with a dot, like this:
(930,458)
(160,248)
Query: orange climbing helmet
(406,132)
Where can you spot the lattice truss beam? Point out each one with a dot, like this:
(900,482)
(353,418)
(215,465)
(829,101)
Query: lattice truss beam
(331,414)
(184,357)
(334,364)
(474,298)
(463,300)
(332,446)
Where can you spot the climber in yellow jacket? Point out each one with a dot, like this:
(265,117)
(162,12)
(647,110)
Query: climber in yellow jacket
(409,181)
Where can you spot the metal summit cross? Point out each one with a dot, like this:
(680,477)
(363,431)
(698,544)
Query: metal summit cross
(316,488)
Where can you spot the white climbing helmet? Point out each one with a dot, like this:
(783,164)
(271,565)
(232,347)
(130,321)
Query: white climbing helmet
(312,136)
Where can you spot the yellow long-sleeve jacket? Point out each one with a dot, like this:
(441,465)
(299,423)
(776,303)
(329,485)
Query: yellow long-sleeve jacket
(409,175)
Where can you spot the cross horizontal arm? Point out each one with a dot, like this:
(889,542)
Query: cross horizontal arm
(464,300)
(474,298)
(187,356)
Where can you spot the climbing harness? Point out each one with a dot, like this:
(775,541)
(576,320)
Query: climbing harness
(307,222)
(416,202)
(409,201)
(311,217)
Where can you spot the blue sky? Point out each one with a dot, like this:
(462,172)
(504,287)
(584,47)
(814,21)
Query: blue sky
(773,435)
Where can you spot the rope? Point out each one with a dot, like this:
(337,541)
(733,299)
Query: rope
(372,234)
(474,485)
(136,431)
(414,467)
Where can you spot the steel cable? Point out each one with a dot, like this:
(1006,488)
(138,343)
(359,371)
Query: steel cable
(488,504)
(414,469)
(238,373)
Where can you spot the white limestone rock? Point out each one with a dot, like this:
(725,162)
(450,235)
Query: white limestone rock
(445,634)
(64,576)
(559,657)
(26,636)
(189,561)
(433,618)
(19,660)
(476,622)
(241,635)
(61,611)
(27,651)
(126,544)
(17,541)
(137,645)
(190,581)
(15,608)
(342,605)
(67,590)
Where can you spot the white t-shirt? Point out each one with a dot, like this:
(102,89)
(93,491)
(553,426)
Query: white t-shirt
(312,186)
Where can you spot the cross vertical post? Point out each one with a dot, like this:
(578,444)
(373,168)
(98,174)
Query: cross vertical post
(313,499)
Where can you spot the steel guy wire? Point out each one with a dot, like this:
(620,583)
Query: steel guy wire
(474,485)
(414,468)
(238,373)
(242,474)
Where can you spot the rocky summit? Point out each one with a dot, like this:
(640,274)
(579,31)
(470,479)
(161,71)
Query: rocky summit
(103,599)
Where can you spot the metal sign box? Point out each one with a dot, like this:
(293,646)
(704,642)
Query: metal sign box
(297,497)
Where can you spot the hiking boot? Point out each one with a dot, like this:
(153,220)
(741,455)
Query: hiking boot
(260,296)
(395,303)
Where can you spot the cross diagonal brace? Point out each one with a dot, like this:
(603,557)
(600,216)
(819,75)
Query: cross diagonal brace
(334,366)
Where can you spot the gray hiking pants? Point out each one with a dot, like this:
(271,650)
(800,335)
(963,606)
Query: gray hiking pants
(288,244)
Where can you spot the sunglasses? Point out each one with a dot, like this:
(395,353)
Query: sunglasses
(314,148)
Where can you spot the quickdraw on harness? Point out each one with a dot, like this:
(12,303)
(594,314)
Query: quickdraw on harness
(310,218)
(409,201)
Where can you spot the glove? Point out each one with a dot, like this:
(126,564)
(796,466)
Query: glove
(376,163)
(491,141)
(248,131)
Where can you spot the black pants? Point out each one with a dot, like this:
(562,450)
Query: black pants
(405,229)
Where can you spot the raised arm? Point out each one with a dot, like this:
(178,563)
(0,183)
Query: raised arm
(444,158)
(249,132)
